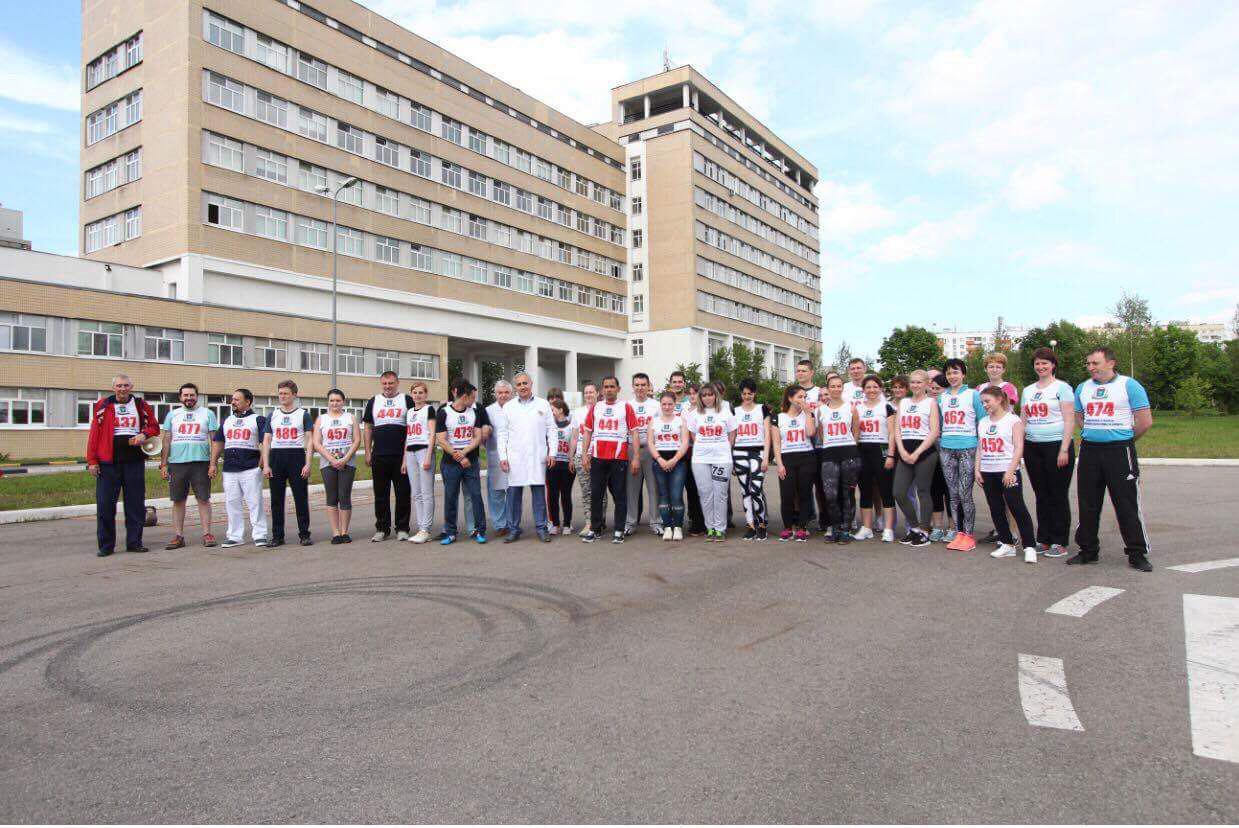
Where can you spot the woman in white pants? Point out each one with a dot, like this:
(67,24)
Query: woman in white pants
(712,429)
(419,459)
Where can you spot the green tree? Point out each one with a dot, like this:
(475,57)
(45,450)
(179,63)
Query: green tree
(1135,321)
(842,357)
(1173,358)
(907,349)
(1219,366)
(1192,396)
(455,370)
(691,372)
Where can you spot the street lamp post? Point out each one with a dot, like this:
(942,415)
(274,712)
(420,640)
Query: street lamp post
(335,253)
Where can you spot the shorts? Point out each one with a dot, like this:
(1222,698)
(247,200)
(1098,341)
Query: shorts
(184,476)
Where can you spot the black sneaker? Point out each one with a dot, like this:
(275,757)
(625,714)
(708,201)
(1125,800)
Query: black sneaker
(761,534)
(136,549)
(843,537)
(1080,559)
(921,539)
(751,534)
(103,553)
(346,538)
(337,539)
(618,537)
(306,542)
(909,539)
(274,542)
(589,537)
(1139,562)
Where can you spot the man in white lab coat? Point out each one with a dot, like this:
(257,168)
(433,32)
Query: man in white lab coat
(527,441)
(496,477)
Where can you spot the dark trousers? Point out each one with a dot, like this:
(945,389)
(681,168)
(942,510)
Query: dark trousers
(696,518)
(1051,486)
(385,469)
(796,488)
(113,477)
(819,497)
(559,482)
(1001,498)
(608,475)
(286,466)
(1111,467)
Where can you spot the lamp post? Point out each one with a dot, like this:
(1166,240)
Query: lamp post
(335,253)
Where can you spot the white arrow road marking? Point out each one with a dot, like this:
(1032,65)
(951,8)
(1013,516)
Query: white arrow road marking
(1211,632)
(1205,566)
(1043,693)
(1078,603)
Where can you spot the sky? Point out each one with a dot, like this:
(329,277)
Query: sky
(1029,160)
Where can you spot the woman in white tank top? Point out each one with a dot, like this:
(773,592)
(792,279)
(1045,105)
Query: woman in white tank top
(336,440)
(1000,447)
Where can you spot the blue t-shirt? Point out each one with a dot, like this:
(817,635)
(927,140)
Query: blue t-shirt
(1107,408)
(959,413)
(189,434)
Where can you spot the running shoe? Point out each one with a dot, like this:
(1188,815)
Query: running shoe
(785,536)
(618,537)
(379,537)
(936,535)
(992,537)
(178,542)
(1056,550)
(829,533)
(584,531)
(1004,550)
(208,539)
(402,536)
(888,536)
(588,536)
(1030,554)
(678,534)
(910,538)
(949,535)
(229,543)
(843,537)
(921,539)
(421,537)
(668,534)
(553,529)
(479,537)
(864,533)
(1042,548)
(761,534)
(802,536)
(448,540)
(751,534)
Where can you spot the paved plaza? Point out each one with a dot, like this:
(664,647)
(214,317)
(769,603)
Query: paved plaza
(645,682)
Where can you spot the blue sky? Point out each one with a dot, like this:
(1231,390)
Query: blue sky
(1025,159)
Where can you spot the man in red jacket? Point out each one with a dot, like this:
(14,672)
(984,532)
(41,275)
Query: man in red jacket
(118,425)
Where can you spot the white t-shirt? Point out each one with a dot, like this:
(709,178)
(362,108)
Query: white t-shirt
(914,418)
(664,435)
(873,421)
(710,430)
(792,435)
(563,439)
(751,426)
(1043,408)
(417,426)
(645,410)
(126,414)
(996,445)
(336,434)
(834,425)
(287,428)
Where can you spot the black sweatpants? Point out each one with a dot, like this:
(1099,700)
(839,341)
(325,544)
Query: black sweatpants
(559,482)
(385,469)
(1111,467)
(286,466)
(1051,485)
(608,475)
(1001,498)
(696,518)
(796,488)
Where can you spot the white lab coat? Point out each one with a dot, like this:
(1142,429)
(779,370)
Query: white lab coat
(496,477)
(526,437)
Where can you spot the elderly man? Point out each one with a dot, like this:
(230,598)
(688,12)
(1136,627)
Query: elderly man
(496,477)
(527,441)
(119,423)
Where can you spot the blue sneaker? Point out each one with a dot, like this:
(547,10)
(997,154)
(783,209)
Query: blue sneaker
(935,535)
(448,540)
(480,538)
(949,535)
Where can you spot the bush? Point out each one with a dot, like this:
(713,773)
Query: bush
(1193,396)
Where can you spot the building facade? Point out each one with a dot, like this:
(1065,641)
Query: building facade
(957,344)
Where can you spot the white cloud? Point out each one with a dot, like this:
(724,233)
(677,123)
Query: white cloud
(1032,187)
(1076,256)
(28,79)
(16,123)
(849,210)
(926,240)
(1093,320)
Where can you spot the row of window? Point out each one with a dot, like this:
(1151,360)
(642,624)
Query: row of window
(751,284)
(232,36)
(749,193)
(753,166)
(114,229)
(112,174)
(761,258)
(232,154)
(114,61)
(721,208)
(112,118)
(257,219)
(719,306)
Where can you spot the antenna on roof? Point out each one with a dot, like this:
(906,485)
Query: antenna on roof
(666,61)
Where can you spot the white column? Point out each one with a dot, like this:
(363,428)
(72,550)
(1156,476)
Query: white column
(472,370)
(696,101)
(647,106)
(570,375)
(687,97)
(619,118)
(531,368)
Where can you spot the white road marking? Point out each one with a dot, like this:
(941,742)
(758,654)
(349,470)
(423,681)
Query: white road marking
(1211,633)
(1205,566)
(1078,603)
(1043,693)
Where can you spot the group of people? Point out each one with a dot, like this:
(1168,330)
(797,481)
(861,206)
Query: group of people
(919,445)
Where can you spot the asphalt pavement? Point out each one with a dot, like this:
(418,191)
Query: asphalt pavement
(650,682)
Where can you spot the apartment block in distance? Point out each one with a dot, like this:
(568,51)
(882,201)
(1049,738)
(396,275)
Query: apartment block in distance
(723,228)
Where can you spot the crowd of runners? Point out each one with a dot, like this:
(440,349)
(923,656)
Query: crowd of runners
(915,447)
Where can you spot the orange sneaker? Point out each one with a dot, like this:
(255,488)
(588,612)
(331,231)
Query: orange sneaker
(963,542)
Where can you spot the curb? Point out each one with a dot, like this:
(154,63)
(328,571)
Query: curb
(1188,461)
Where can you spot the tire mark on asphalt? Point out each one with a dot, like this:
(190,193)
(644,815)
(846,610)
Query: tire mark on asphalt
(765,638)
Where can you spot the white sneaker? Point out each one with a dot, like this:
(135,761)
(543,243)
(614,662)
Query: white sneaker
(888,536)
(678,534)
(552,530)
(402,536)
(1030,554)
(1004,550)
(668,534)
(863,533)
(378,537)
(421,537)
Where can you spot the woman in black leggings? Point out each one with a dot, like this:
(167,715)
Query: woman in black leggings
(792,442)
(1000,443)
(876,424)
(1048,411)
(916,436)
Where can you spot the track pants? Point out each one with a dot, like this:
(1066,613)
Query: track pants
(113,477)
(559,493)
(960,475)
(286,466)
(1052,487)
(746,463)
(604,476)
(839,476)
(713,484)
(242,493)
(1113,468)
(385,469)
(584,476)
(646,478)
(421,485)
(922,474)
(796,488)
(696,520)
(1000,499)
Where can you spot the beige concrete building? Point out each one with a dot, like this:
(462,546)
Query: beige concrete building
(723,228)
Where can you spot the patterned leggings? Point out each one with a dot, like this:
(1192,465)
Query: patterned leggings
(746,464)
(839,477)
(957,468)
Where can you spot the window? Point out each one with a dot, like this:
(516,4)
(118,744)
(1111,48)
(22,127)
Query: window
(453,220)
(272,53)
(133,223)
(638,304)
(523,161)
(477,184)
(389,104)
(225,92)
(225,34)
(349,86)
(638,272)
(387,250)
(133,109)
(582,222)
(638,238)
(225,212)
(478,271)
(524,282)
(477,227)
(634,167)
(451,175)
(272,110)
(386,152)
(225,349)
(114,61)
(424,366)
(419,116)
(420,258)
(348,138)
(636,206)
(311,124)
(272,167)
(311,178)
(311,70)
(85,406)
(23,332)
(101,339)
(163,345)
(271,223)
(316,357)
(477,141)
(500,151)
(23,407)
(311,232)
(451,130)
(387,201)
(524,201)
(582,186)
(350,360)
(349,241)
(386,361)
(616,200)
(270,353)
(419,163)
(503,276)
(451,265)
(566,291)
(421,211)
(133,166)
(545,208)
(502,234)
(638,347)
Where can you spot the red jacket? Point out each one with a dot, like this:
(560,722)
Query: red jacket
(103,424)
